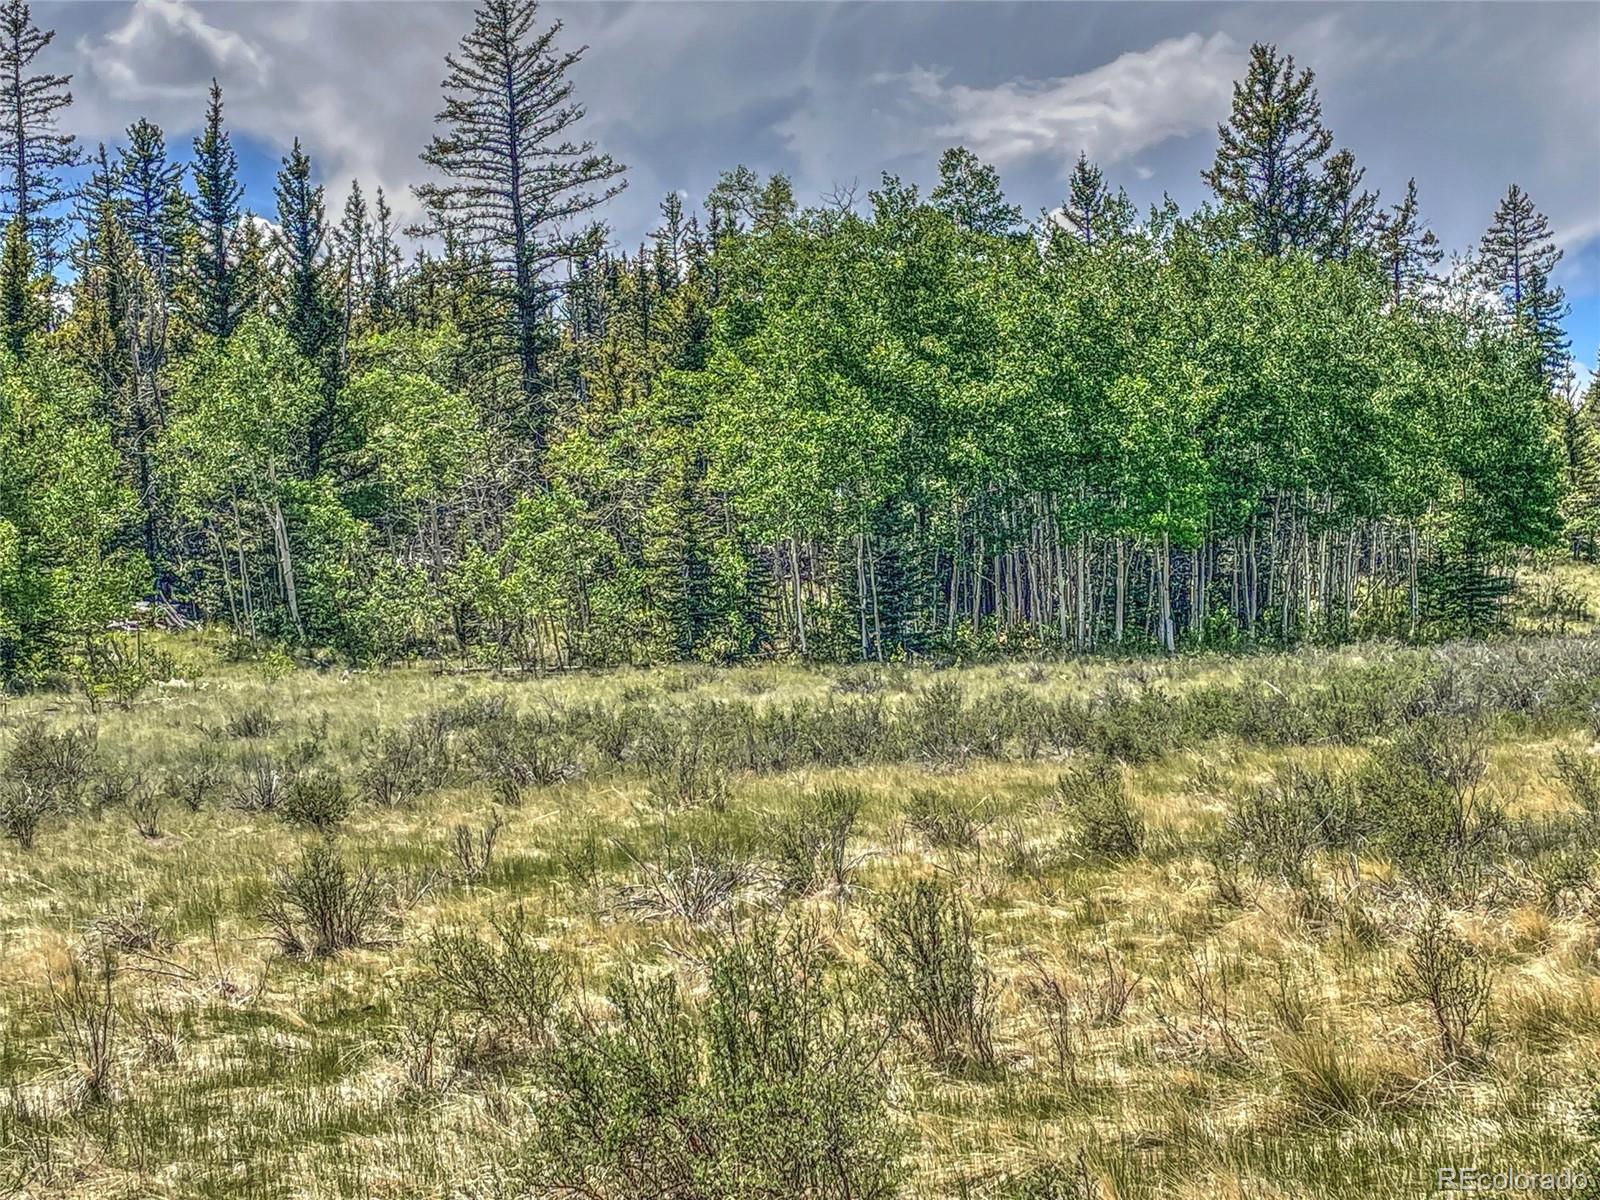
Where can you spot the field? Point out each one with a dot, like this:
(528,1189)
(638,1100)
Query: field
(1279,925)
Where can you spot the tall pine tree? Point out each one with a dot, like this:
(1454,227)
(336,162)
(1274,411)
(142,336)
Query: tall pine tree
(155,210)
(217,302)
(1517,256)
(309,313)
(514,179)
(33,154)
(1269,162)
(1405,246)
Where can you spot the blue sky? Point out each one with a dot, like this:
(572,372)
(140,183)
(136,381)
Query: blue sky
(1467,98)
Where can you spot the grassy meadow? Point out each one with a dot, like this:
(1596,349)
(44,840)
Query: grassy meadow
(1277,925)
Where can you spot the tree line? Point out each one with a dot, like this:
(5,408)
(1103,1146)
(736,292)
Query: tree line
(900,423)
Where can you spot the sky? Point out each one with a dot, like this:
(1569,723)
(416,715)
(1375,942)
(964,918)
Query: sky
(1467,98)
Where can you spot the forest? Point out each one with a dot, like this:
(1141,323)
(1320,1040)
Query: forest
(863,428)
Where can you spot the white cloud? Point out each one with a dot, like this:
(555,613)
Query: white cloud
(1175,88)
(166,49)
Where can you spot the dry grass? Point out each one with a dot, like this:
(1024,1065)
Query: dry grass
(1154,1034)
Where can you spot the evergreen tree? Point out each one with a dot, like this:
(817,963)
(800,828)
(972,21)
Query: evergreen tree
(32,153)
(513,178)
(1517,255)
(309,312)
(100,192)
(217,195)
(969,194)
(155,211)
(22,308)
(385,263)
(1269,162)
(352,240)
(1092,213)
(1405,246)
(1544,308)
(1348,210)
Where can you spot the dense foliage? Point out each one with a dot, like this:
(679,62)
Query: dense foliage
(913,424)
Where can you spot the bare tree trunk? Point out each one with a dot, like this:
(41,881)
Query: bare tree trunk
(1122,589)
(1168,638)
(799,602)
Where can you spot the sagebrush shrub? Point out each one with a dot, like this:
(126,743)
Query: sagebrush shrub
(688,772)
(251,722)
(315,797)
(1580,774)
(57,766)
(516,754)
(693,879)
(22,810)
(1095,794)
(511,985)
(941,730)
(401,766)
(474,849)
(1279,827)
(1423,797)
(258,784)
(322,905)
(1444,973)
(196,777)
(773,1087)
(927,955)
(812,839)
(943,820)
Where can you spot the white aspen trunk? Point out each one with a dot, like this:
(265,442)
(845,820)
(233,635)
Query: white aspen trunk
(1168,640)
(1122,589)
(799,601)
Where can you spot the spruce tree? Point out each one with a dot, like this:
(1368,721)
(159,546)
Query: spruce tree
(1348,210)
(969,194)
(1516,257)
(21,307)
(309,313)
(513,177)
(32,153)
(1405,246)
(217,195)
(385,263)
(1092,213)
(1269,162)
(100,192)
(155,211)
(352,239)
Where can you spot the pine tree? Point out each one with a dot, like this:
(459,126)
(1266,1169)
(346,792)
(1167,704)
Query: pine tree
(1543,310)
(309,312)
(155,211)
(671,248)
(1516,257)
(249,276)
(1405,246)
(1269,162)
(1348,209)
(385,263)
(32,154)
(1517,246)
(21,307)
(514,179)
(969,194)
(352,240)
(217,196)
(100,192)
(1093,213)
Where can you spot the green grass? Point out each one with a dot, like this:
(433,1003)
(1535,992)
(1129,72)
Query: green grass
(1262,1051)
